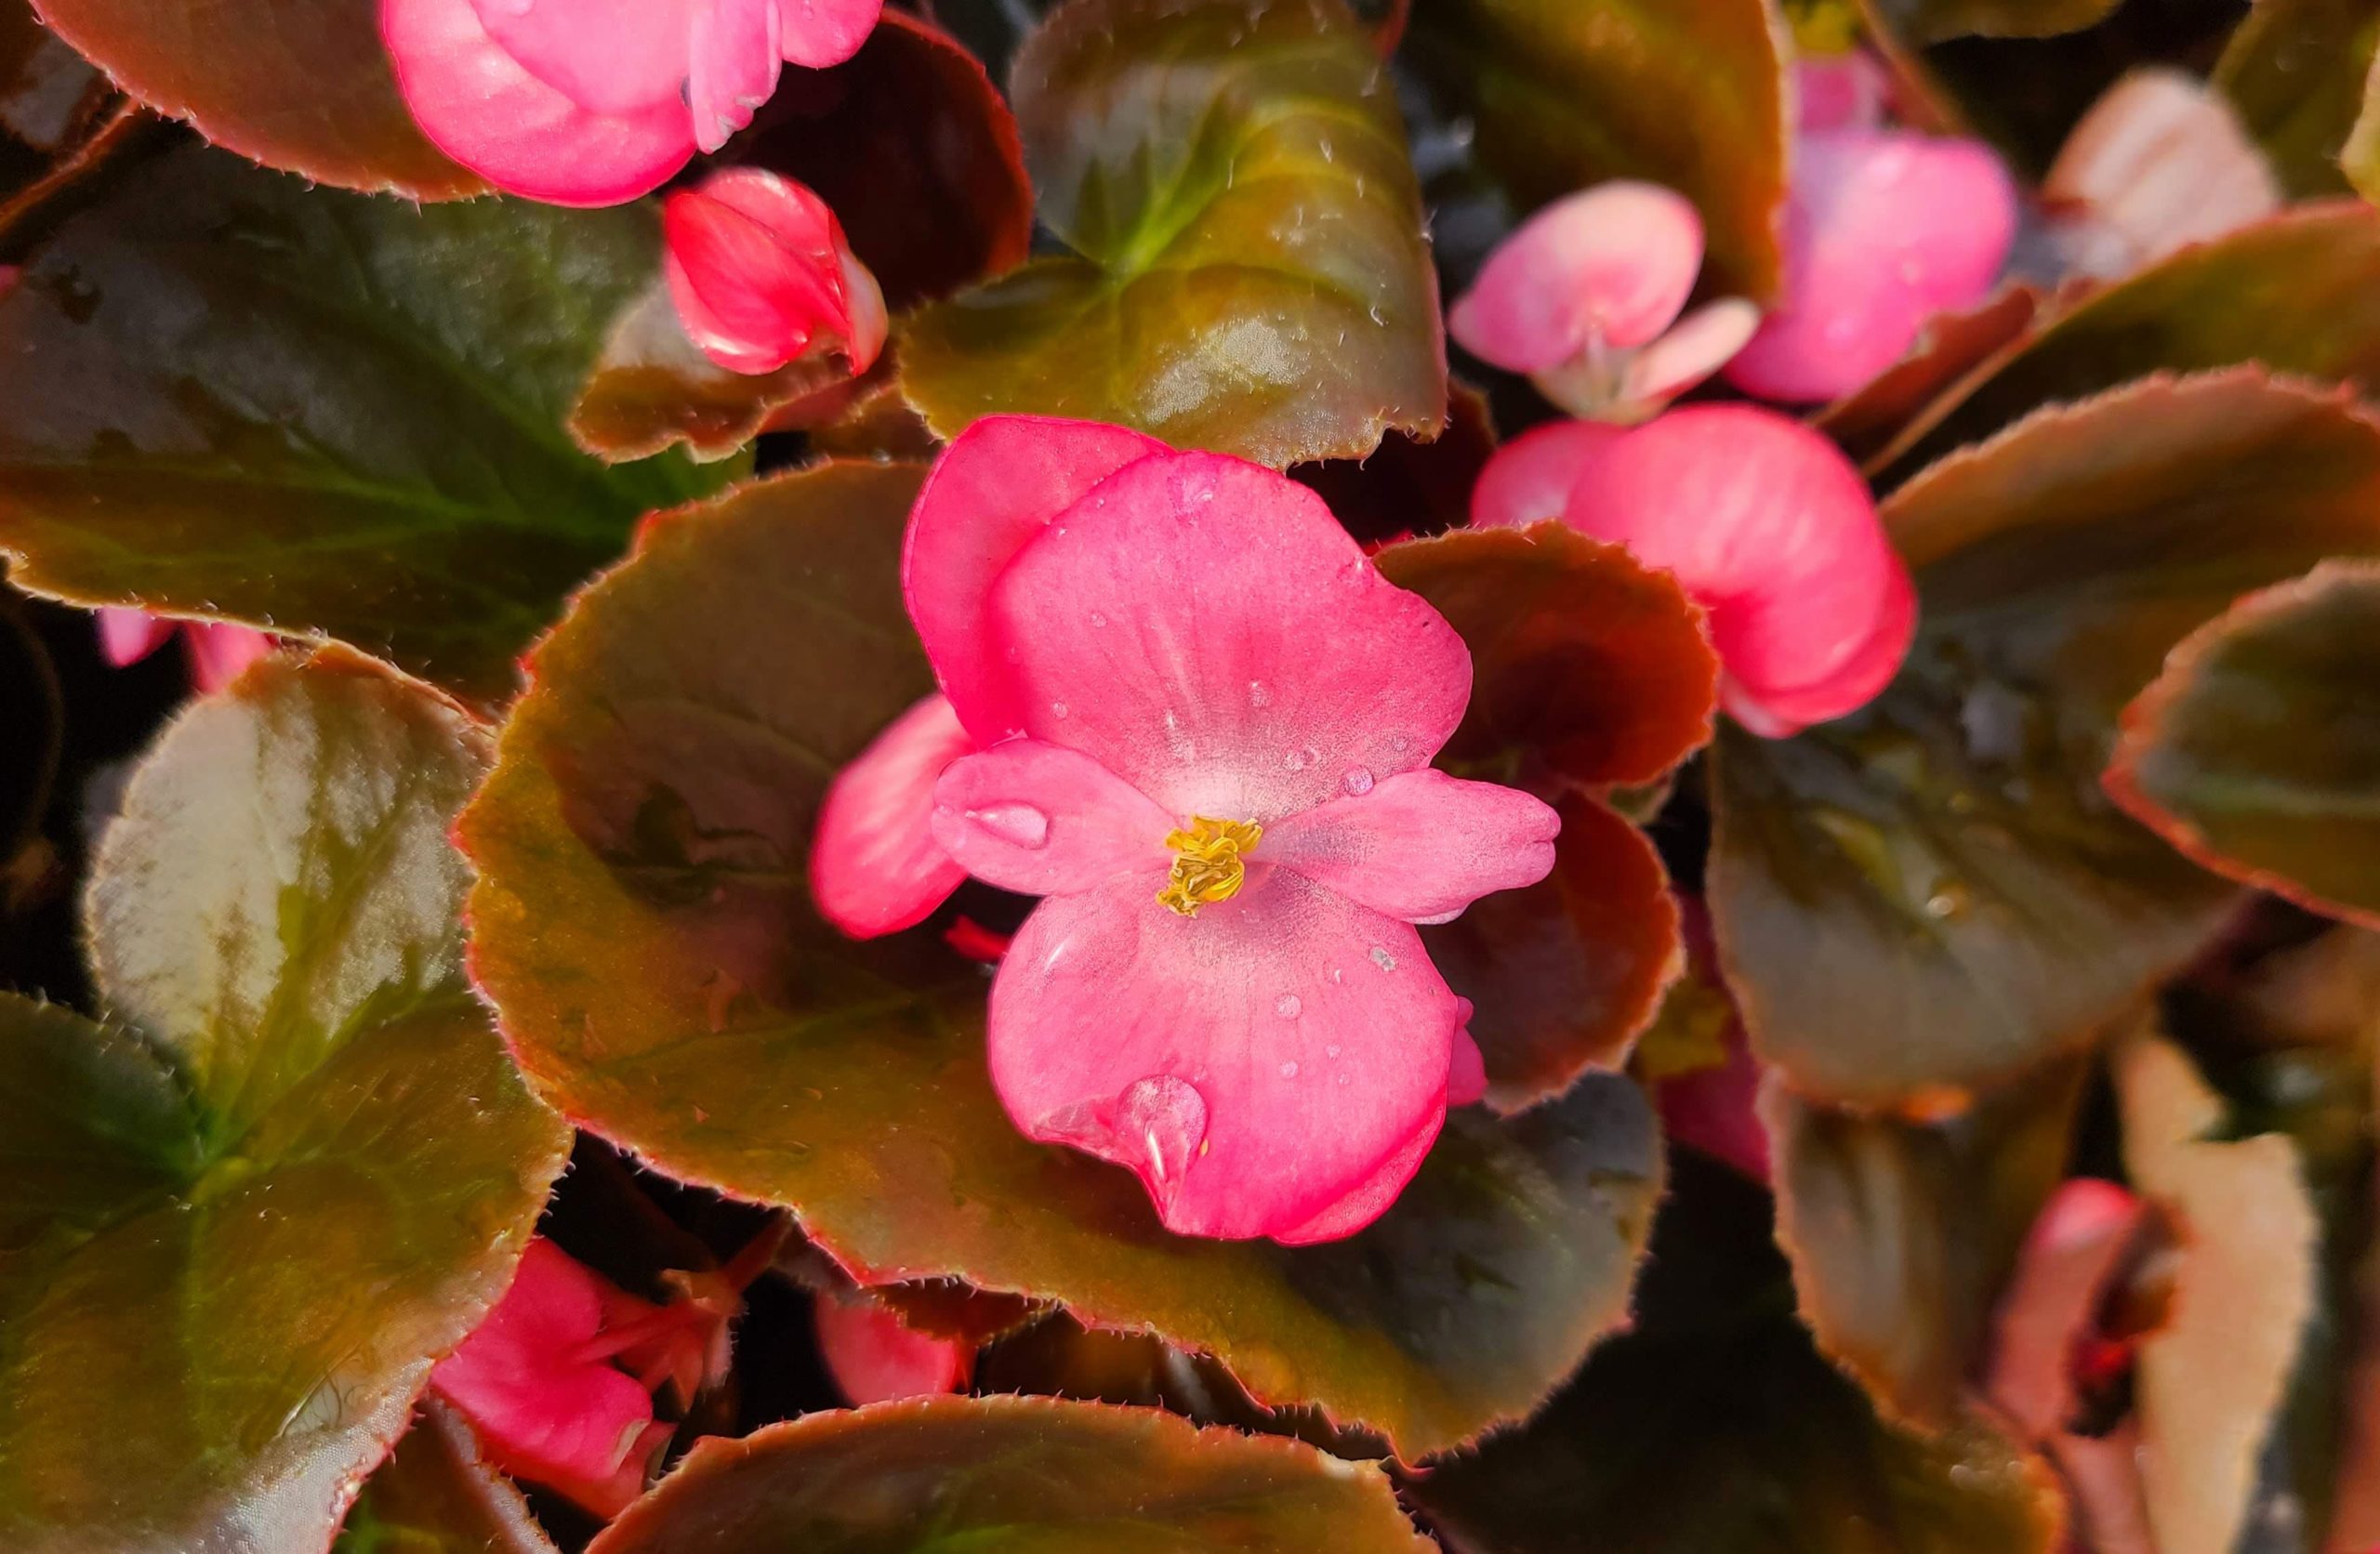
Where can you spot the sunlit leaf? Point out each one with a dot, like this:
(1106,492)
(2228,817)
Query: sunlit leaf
(642,924)
(1250,271)
(2295,71)
(293,1170)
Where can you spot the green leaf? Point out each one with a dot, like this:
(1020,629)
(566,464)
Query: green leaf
(1934,890)
(1903,1231)
(2295,71)
(301,85)
(435,1495)
(1569,93)
(1922,22)
(1012,1474)
(2257,749)
(1250,271)
(641,921)
(1711,1427)
(234,395)
(2299,293)
(239,1236)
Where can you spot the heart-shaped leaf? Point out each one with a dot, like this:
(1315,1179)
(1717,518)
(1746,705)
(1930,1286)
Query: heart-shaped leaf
(2258,750)
(301,85)
(248,1213)
(234,395)
(1903,1231)
(1250,273)
(917,152)
(934,1473)
(1569,93)
(1936,890)
(435,1495)
(642,924)
(2299,294)
(1712,1427)
(2295,71)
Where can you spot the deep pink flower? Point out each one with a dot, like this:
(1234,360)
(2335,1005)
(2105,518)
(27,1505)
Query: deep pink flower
(760,273)
(1884,229)
(590,102)
(537,1382)
(1204,723)
(1584,297)
(1763,521)
(874,1357)
(217,651)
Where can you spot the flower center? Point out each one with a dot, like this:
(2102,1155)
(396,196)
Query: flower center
(1207,864)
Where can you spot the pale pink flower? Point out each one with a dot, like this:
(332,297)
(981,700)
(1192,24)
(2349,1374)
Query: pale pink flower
(2162,161)
(1584,297)
(1762,521)
(590,102)
(217,651)
(874,1357)
(760,274)
(1202,726)
(1884,229)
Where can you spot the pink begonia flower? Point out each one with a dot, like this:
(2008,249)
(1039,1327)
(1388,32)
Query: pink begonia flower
(1203,723)
(590,102)
(217,651)
(1762,521)
(1584,297)
(1884,229)
(874,1357)
(759,271)
(537,1382)
(1715,1109)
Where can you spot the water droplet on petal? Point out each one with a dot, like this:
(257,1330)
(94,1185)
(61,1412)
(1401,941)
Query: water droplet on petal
(1359,781)
(1382,958)
(1290,1069)
(1097,619)
(1399,743)
(1286,1006)
(1302,757)
(1017,824)
(1337,975)
(1057,709)
(1331,1052)
(1157,1123)
(1257,695)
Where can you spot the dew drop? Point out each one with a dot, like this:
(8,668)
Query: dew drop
(1257,695)
(1159,1122)
(1057,709)
(1017,824)
(1382,958)
(1399,743)
(1097,619)
(1331,1052)
(1357,781)
(1286,1006)
(1337,975)
(1290,1069)
(1301,757)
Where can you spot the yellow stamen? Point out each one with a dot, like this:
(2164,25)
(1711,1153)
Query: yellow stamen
(1207,867)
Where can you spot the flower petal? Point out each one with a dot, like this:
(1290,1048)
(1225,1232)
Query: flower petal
(1882,230)
(1769,527)
(127,636)
(550,1415)
(1203,629)
(757,267)
(1528,480)
(731,67)
(609,56)
(1253,1065)
(876,1358)
(875,866)
(1840,91)
(2159,162)
(1372,1199)
(481,107)
(1467,1069)
(1421,846)
(821,32)
(996,486)
(217,652)
(1045,820)
(1609,266)
(1703,341)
